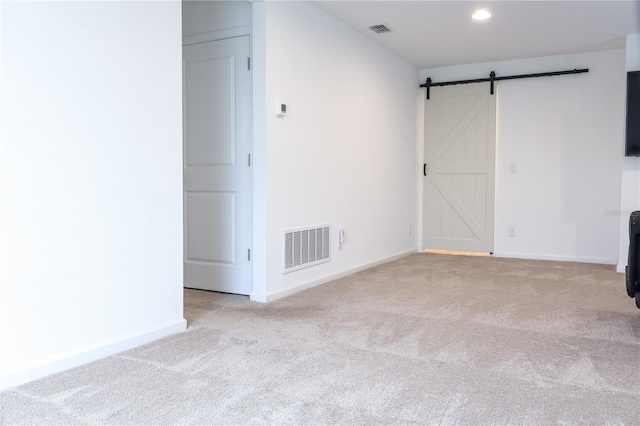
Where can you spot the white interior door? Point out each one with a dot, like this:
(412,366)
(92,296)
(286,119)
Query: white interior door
(459,150)
(217,177)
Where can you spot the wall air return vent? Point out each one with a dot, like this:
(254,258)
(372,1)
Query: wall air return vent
(380,29)
(306,247)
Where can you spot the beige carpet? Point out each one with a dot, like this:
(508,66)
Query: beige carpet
(430,339)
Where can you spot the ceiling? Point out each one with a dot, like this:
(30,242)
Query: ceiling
(432,34)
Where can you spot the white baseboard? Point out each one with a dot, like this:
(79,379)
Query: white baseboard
(258,297)
(599,260)
(622,269)
(90,354)
(269,297)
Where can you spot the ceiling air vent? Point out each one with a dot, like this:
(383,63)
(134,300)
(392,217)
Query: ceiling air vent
(380,29)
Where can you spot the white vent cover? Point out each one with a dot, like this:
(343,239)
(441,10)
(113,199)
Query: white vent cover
(380,28)
(306,247)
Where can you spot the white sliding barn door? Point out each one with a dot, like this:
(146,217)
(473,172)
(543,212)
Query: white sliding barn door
(459,150)
(217,176)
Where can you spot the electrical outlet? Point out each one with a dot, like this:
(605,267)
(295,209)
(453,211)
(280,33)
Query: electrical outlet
(340,239)
(512,231)
(513,168)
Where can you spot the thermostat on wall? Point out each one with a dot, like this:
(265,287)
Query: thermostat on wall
(281,109)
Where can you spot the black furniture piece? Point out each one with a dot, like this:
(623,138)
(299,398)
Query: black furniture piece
(632,145)
(633,264)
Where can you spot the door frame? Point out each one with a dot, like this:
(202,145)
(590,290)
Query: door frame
(219,35)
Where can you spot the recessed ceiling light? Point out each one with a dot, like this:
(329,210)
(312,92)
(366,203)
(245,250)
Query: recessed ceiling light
(481,15)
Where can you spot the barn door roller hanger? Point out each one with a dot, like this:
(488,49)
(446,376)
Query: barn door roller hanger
(492,78)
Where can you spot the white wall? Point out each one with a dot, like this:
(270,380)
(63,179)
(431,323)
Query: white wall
(90,182)
(633,52)
(630,179)
(200,16)
(344,154)
(565,134)
(259,149)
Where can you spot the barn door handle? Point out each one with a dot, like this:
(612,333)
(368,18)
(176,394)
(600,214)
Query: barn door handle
(424,169)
